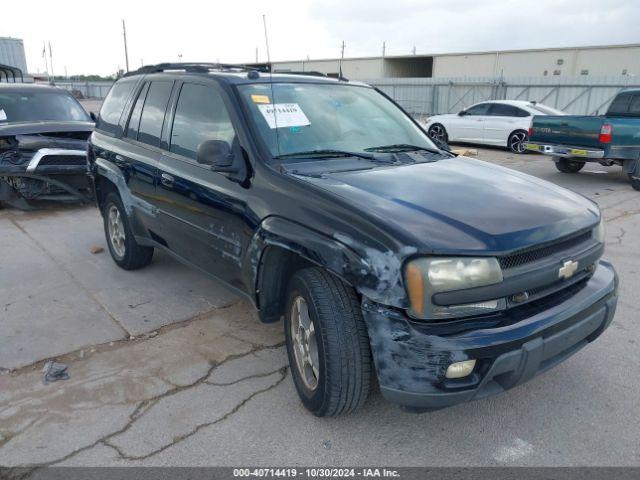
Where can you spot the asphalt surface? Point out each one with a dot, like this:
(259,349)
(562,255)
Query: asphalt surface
(168,368)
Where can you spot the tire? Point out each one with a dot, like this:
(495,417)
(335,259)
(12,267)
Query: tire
(438,132)
(341,355)
(125,251)
(517,140)
(569,166)
(635,182)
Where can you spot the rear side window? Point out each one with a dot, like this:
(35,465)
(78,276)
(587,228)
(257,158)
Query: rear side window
(153,112)
(113,105)
(200,115)
(134,121)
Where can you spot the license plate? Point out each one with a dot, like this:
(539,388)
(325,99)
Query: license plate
(578,153)
(530,146)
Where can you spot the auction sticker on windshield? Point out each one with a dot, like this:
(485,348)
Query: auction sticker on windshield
(3,116)
(281,115)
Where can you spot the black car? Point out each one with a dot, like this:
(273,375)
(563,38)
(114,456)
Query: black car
(43,145)
(323,202)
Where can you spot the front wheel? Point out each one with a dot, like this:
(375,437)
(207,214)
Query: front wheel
(517,140)
(569,166)
(327,343)
(438,132)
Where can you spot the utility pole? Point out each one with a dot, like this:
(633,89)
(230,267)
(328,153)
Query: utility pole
(126,53)
(414,49)
(384,48)
(256,54)
(341,58)
(46,62)
(53,77)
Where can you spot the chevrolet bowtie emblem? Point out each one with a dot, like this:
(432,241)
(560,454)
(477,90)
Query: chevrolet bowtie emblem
(568,269)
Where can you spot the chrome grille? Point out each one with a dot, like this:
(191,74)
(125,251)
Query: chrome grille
(537,253)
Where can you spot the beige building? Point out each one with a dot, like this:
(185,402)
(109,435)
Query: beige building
(595,61)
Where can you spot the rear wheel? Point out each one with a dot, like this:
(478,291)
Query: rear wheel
(517,140)
(635,182)
(438,132)
(123,247)
(327,343)
(566,165)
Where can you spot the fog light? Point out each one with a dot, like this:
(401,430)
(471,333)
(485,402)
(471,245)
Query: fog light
(460,369)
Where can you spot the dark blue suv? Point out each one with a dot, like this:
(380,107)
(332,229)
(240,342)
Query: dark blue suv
(323,202)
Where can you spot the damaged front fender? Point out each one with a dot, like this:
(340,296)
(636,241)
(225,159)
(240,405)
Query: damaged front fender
(376,275)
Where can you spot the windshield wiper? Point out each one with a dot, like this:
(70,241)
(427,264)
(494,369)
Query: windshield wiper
(400,147)
(325,153)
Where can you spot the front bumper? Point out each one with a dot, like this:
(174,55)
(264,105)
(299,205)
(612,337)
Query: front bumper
(564,151)
(411,363)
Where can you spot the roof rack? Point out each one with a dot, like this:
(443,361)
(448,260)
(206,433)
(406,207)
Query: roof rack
(309,73)
(7,70)
(195,68)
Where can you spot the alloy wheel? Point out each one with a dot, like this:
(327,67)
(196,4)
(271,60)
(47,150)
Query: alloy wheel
(305,345)
(438,132)
(117,235)
(517,141)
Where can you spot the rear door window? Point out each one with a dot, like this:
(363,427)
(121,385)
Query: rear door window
(111,111)
(200,115)
(152,118)
(482,109)
(134,120)
(504,110)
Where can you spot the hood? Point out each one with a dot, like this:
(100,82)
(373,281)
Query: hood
(437,118)
(44,127)
(461,205)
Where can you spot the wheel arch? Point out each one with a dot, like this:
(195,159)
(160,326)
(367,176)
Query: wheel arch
(281,246)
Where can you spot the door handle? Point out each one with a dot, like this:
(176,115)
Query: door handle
(166,180)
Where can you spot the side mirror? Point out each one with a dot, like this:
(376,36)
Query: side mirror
(93,116)
(462,113)
(217,154)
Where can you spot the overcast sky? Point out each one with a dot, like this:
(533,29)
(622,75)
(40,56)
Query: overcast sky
(86,37)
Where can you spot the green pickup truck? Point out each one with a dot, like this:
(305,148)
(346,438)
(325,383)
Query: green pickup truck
(609,139)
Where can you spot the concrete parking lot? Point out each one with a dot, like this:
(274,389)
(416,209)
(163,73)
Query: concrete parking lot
(169,368)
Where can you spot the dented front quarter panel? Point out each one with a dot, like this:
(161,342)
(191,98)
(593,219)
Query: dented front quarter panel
(376,274)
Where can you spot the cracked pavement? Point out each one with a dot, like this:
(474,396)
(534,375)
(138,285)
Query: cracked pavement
(169,368)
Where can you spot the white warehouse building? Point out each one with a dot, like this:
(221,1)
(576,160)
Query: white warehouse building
(571,61)
(12,53)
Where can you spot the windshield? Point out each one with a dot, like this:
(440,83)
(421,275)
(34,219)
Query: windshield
(306,117)
(37,106)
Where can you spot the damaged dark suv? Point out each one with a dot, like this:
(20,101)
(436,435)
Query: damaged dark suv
(43,143)
(323,202)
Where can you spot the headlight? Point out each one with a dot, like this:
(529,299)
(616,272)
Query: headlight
(426,276)
(599,233)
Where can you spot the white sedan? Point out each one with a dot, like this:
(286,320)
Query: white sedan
(502,123)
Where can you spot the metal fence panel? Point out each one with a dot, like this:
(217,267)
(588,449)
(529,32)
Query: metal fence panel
(87,89)
(581,95)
